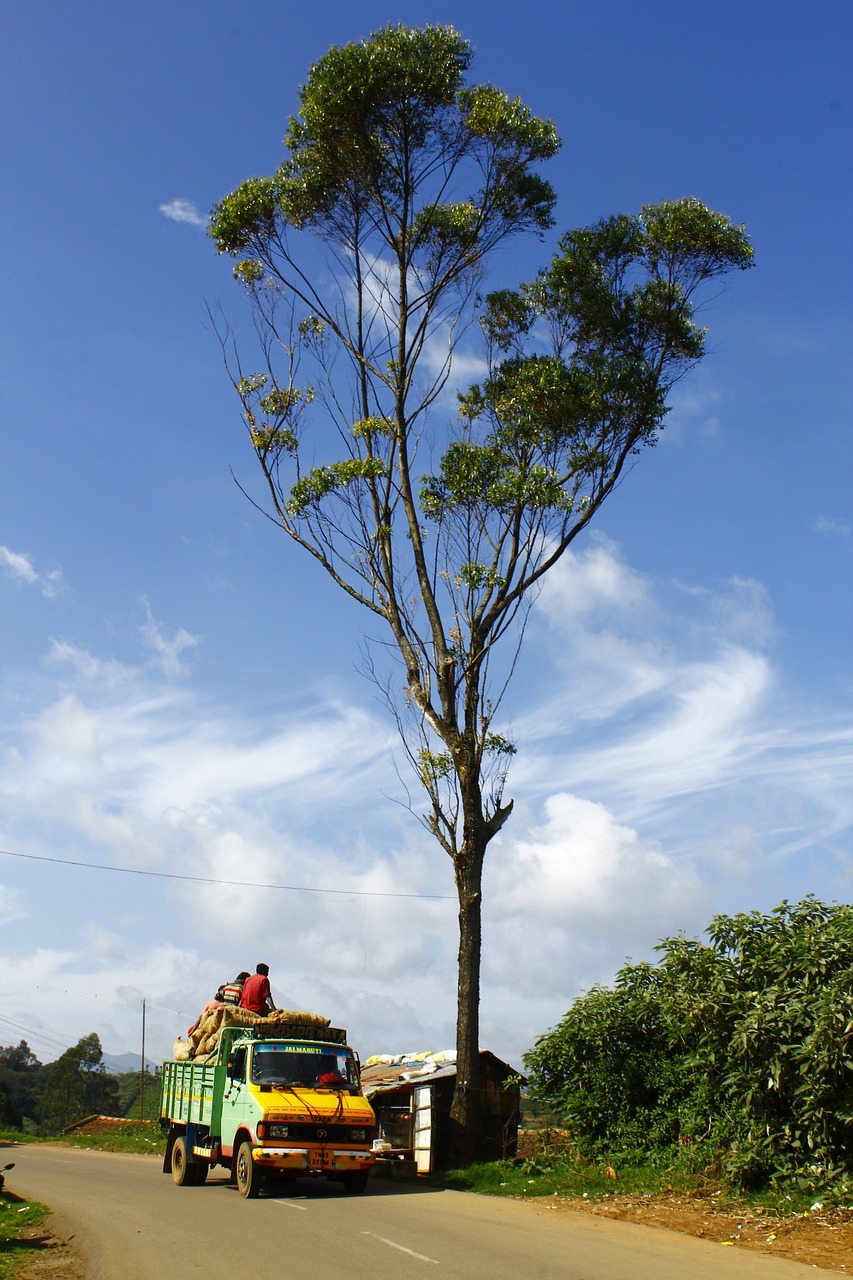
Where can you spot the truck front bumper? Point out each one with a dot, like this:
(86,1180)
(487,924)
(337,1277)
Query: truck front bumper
(313,1160)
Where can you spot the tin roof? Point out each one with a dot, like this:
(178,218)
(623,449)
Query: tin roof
(384,1073)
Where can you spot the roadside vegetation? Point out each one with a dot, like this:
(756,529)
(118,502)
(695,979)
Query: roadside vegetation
(38,1099)
(557,1170)
(731,1058)
(17,1219)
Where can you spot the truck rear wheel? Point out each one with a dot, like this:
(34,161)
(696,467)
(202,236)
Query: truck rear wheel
(246,1172)
(183,1173)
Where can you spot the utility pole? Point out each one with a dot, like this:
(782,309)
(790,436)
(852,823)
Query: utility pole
(142,1072)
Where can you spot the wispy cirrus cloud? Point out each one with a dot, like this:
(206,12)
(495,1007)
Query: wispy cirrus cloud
(664,774)
(835,527)
(665,702)
(167,648)
(181,210)
(21,567)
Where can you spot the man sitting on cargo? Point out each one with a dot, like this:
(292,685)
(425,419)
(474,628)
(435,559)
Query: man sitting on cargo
(232,991)
(257,996)
(216,1003)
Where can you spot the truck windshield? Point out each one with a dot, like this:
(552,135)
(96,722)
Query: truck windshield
(288,1066)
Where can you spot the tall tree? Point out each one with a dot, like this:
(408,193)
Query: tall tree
(409,179)
(21,1078)
(77,1086)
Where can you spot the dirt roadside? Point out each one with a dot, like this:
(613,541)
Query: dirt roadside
(821,1238)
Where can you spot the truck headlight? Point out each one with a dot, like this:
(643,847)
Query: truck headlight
(277,1130)
(358,1135)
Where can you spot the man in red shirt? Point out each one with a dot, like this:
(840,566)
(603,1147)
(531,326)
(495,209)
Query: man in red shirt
(257,996)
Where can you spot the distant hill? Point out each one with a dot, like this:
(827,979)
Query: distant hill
(118,1063)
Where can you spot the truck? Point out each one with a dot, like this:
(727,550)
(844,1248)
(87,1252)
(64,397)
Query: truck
(277,1103)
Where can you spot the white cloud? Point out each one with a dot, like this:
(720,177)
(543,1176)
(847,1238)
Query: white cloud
(693,404)
(86,667)
(183,211)
(662,776)
(832,526)
(11,907)
(21,567)
(593,583)
(167,648)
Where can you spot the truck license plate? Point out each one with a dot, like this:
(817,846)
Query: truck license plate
(320,1160)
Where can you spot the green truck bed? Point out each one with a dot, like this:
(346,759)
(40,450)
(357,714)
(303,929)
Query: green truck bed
(188,1092)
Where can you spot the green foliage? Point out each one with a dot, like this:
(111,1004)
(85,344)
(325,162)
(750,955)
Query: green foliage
(128,1084)
(376,118)
(21,1080)
(16,1218)
(77,1085)
(434,765)
(558,1169)
(139,1139)
(738,1050)
(245,215)
(617,302)
(319,482)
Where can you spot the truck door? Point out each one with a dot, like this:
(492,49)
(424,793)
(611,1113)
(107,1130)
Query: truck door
(235,1098)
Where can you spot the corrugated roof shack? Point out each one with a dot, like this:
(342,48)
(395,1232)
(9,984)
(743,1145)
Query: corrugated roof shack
(412,1094)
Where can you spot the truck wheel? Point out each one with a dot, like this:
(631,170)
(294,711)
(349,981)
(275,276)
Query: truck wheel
(247,1173)
(199,1172)
(183,1172)
(354,1182)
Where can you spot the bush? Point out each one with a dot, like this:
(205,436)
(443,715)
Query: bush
(738,1050)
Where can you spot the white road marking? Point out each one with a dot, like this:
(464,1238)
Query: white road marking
(288,1204)
(420,1256)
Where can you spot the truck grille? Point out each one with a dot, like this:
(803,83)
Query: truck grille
(328,1133)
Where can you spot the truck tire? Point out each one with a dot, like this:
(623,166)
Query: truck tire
(199,1172)
(183,1173)
(354,1183)
(247,1173)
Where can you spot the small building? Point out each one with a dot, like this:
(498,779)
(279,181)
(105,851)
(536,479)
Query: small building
(412,1094)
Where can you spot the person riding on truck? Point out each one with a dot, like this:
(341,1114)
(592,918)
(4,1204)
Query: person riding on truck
(216,1003)
(257,996)
(232,991)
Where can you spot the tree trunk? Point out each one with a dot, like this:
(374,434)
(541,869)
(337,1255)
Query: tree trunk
(466,1112)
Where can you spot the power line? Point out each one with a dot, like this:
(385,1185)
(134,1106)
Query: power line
(55,1043)
(236,884)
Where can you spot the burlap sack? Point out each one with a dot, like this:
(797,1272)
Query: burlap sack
(205,1037)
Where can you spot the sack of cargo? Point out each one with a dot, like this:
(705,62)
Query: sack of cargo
(205,1036)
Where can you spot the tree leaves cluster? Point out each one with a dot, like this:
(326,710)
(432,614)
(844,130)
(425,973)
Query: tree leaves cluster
(21,1082)
(77,1085)
(38,1095)
(738,1050)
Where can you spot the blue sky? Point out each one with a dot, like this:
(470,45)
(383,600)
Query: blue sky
(179,688)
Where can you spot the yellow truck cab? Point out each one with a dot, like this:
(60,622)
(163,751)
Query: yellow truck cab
(282,1105)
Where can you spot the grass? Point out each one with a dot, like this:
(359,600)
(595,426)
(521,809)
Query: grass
(133,1138)
(554,1169)
(15,1217)
(563,1177)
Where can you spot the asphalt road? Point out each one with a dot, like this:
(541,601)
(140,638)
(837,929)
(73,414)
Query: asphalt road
(130,1222)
